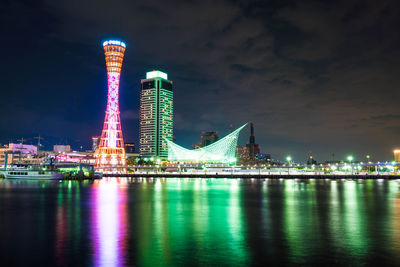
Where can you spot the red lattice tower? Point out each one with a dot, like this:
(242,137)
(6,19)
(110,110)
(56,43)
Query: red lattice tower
(111,151)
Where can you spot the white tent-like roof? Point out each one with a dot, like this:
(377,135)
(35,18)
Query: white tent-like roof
(221,151)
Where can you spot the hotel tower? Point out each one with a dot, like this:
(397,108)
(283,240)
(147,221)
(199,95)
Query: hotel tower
(156,115)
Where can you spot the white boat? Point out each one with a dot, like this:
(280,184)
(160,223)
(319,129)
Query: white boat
(30,172)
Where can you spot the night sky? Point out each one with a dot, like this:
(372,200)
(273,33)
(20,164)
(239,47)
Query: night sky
(312,75)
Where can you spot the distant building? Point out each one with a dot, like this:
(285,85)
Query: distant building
(208,138)
(242,153)
(95,142)
(311,160)
(396,153)
(25,149)
(129,148)
(264,157)
(28,153)
(61,148)
(254,149)
(156,115)
(76,157)
(196,146)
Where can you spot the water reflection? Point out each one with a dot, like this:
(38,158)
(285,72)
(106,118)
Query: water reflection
(109,222)
(170,222)
(199,218)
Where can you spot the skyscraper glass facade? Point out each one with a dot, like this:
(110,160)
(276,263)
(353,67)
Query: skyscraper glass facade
(156,115)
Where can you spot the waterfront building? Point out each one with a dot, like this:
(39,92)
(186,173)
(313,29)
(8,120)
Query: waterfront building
(222,150)
(396,153)
(111,150)
(71,157)
(254,149)
(129,148)
(264,157)
(242,153)
(156,115)
(95,142)
(310,159)
(61,148)
(25,149)
(19,153)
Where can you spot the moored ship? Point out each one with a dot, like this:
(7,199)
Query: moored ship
(32,172)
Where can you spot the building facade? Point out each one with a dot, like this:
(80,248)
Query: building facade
(95,142)
(19,153)
(242,153)
(396,153)
(25,149)
(156,115)
(254,149)
(208,138)
(129,148)
(62,148)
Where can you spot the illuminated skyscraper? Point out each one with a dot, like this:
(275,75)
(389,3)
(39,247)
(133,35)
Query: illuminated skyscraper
(111,151)
(156,115)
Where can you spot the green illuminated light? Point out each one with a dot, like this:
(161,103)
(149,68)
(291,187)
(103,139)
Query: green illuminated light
(221,151)
(156,119)
(156,74)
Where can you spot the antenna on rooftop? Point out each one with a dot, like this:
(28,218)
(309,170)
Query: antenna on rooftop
(38,138)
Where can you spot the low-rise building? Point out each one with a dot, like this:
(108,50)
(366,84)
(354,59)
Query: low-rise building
(19,152)
(62,148)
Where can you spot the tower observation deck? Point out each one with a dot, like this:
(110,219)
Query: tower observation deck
(111,151)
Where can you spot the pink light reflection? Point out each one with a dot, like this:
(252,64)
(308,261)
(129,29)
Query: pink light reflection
(109,219)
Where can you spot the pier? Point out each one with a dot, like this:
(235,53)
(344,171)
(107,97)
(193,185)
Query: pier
(252,176)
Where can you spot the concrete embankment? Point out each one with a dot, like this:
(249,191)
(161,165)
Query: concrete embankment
(250,176)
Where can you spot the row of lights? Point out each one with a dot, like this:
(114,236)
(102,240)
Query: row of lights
(349,158)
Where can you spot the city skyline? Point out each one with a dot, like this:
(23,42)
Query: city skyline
(307,86)
(200,133)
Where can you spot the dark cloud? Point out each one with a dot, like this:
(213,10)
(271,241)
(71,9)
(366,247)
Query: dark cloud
(313,75)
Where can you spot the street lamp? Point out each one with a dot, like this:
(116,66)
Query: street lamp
(368,161)
(288,158)
(350,159)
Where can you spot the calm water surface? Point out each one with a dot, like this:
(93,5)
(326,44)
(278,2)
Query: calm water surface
(198,222)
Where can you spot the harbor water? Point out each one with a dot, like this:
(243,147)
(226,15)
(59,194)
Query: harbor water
(200,222)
